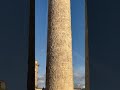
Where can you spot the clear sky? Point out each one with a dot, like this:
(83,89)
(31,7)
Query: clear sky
(78,37)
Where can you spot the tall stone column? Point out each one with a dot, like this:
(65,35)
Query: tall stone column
(36,73)
(59,71)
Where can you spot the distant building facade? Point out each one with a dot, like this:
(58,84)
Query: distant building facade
(2,85)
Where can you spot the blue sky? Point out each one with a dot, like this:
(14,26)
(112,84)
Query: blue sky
(78,37)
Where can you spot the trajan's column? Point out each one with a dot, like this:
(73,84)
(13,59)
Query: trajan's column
(59,71)
(36,73)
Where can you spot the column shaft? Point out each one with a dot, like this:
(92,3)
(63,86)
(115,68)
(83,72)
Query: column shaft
(59,71)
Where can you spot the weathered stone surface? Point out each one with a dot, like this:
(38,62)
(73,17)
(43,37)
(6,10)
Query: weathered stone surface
(36,72)
(59,71)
